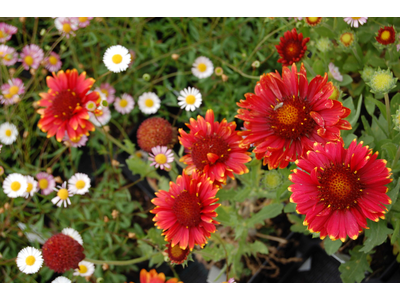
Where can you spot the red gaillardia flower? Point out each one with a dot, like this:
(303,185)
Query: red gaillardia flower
(386,35)
(154,132)
(186,211)
(292,47)
(313,21)
(177,255)
(153,277)
(61,253)
(214,148)
(339,189)
(286,115)
(65,105)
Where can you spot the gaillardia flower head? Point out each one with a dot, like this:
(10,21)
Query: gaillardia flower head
(338,189)
(155,132)
(214,148)
(382,81)
(153,277)
(177,255)
(61,253)
(65,105)
(347,40)
(292,47)
(313,21)
(286,115)
(366,73)
(324,44)
(386,35)
(185,213)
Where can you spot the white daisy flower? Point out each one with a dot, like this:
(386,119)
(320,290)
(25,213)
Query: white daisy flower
(354,21)
(32,186)
(335,72)
(29,260)
(8,133)
(117,58)
(79,184)
(161,157)
(85,269)
(62,196)
(125,104)
(202,67)
(149,103)
(61,279)
(190,98)
(15,185)
(73,233)
(100,117)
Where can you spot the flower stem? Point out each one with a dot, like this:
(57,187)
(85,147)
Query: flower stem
(120,262)
(115,141)
(389,121)
(309,68)
(396,158)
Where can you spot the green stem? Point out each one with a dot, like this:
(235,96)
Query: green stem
(309,68)
(388,116)
(396,158)
(235,69)
(116,142)
(120,262)
(357,56)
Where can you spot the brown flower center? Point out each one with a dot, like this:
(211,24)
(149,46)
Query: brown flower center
(291,118)
(340,188)
(187,209)
(65,104)
(209,150)
(292,49)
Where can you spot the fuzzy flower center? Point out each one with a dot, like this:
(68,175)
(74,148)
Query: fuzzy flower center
(385,35)
(83,269)
(340,188)
(187,209)
(28,60)
(80,184)
(149,103)
(291,118)
(209,150)
(65,105)
(13,90)
(67,28)
(63,194)
(117,58)
(347,38)
(43,183)
(15,186)
(8,132)
(53,60)
(30,260)
(30,187)
(160,158)
(190,99)
(82,19)
(381,81)
(202,67)
(123,103)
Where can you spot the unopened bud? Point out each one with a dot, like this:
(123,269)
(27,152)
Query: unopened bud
(115,214)
(219,71)
(175,56)
(44,72)
(58,179)
(255,64)
(146,77)
(35,105)
(106,128)
(1,210)
(105,267)
(32,71)
(67,144)
(49,170)
(22,19)
(20,233)
(1,170)
(131,235)
(106,219)
(224,78)
(12,71)
(42,32)
(115,163)
(6,206)
(25,135)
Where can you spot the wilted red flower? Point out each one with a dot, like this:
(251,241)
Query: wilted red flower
(386,35)
(292,47)
(65,105)
(61,253)
(176,254)
(286,115)
(153,277)
(185,213)
(155,132)
(214,148)
(339,189)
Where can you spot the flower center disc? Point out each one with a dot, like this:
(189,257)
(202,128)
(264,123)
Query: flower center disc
(67,27)
(292,119)
(80,184)
(202,67)
(63,194)
(292,49)
(28,60)
(64,105)
(15,186)
(82,269)
(209,150)
(105,92)
(30,260)
(346,39)
(8,132)
(43,184)
(123,103)
(381,81)
(82,19)
(160,159)
(52,60)
(149,103)
(117,58)
(385,35)
(190,99)
(187,209)
(30,187)
(13,90)
(340,187)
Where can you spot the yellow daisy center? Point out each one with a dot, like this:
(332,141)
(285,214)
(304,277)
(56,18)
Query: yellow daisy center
(83,269)
(149,103)
(28,60)
(385,35)
(13,90)
(161,158)
(80,184)
(67,27)
(53,60)
(30,260)
(381,81)
(105,92)
(8,132)
(123,103)
(356,18)
(202,67)
(190,99)
(63,194)
(117,58)
(82,19)
(43,183)
(15,186)
(2,34)
(30,187)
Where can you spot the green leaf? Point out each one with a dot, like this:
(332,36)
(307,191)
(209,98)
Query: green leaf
(354,120)
(331,246)
(346,80)
(395,103)
(376,235)
(390,149)
(297,224)
(267,212)
(258,247)
(393,194)
(223,216)
(380,105)
(354,270)
(290,207)
(138,166)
